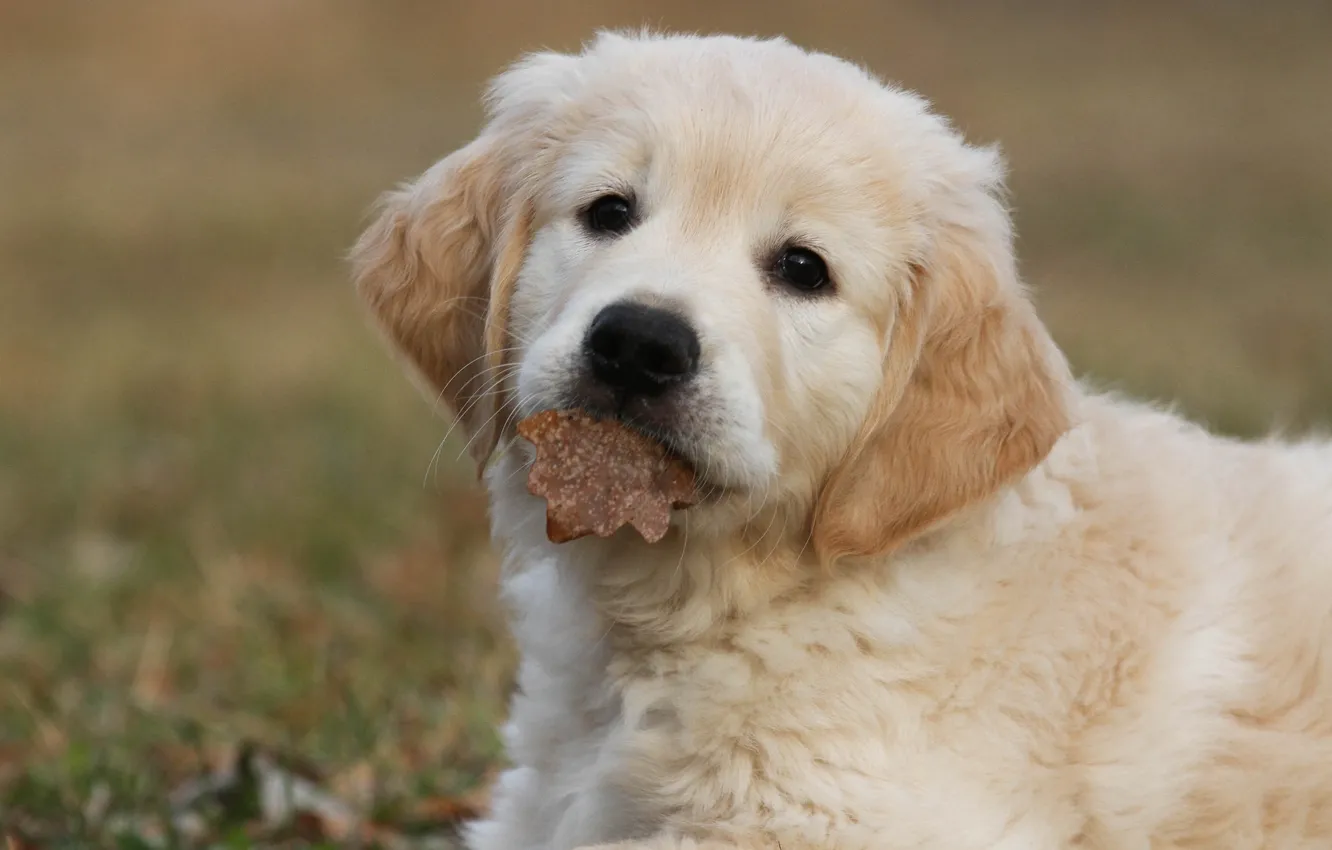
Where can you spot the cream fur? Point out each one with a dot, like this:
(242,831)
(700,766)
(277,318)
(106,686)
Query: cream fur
(943,596)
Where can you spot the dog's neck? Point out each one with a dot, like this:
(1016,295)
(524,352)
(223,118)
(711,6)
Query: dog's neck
(699,583)
(703,582)
(692,586)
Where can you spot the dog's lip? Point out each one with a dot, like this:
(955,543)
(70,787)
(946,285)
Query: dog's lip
(668,441)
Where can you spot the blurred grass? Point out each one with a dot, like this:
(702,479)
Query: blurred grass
(218,515)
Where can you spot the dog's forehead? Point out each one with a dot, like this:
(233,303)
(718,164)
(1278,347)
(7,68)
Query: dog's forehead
(712,99)
(733,121)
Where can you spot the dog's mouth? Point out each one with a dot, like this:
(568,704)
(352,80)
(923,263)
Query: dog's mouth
(670,439)
(677,446)
(676,442)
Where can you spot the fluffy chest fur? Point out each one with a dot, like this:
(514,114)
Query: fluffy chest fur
(1040,671)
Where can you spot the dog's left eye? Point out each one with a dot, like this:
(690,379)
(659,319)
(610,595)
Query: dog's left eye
(611,214)
(802,269)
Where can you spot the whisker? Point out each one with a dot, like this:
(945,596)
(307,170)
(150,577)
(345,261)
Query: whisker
(490,419)
(758,539)
(684,546)
(517,409)
(458,419)
(499,374)
(439,396)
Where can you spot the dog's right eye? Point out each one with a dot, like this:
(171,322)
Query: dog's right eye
(613,214)
(802,269)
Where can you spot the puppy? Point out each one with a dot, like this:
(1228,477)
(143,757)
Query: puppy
(938,595)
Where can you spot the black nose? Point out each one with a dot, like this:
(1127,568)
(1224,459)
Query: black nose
(641,350)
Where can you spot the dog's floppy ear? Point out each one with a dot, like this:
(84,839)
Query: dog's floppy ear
(975,391)
(439,263)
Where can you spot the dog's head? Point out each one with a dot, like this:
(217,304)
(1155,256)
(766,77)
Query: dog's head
(800,280)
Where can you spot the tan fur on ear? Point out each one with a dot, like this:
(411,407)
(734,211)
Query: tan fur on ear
(436,269)
(974,396)
(439,264)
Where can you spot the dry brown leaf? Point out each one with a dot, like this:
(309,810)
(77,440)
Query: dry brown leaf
(598,475)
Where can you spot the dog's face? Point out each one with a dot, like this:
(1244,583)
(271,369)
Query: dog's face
(718,249)
(799,280)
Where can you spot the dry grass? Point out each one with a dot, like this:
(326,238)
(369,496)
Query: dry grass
(218,516)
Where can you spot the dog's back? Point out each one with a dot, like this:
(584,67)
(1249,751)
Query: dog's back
(1244,754)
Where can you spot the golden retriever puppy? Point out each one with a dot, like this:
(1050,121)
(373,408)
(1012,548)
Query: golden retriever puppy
(937,594)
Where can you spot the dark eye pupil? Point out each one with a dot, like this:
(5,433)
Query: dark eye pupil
(802,268)
(610,214)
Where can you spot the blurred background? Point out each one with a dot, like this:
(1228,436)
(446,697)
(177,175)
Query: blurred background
(225,516)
